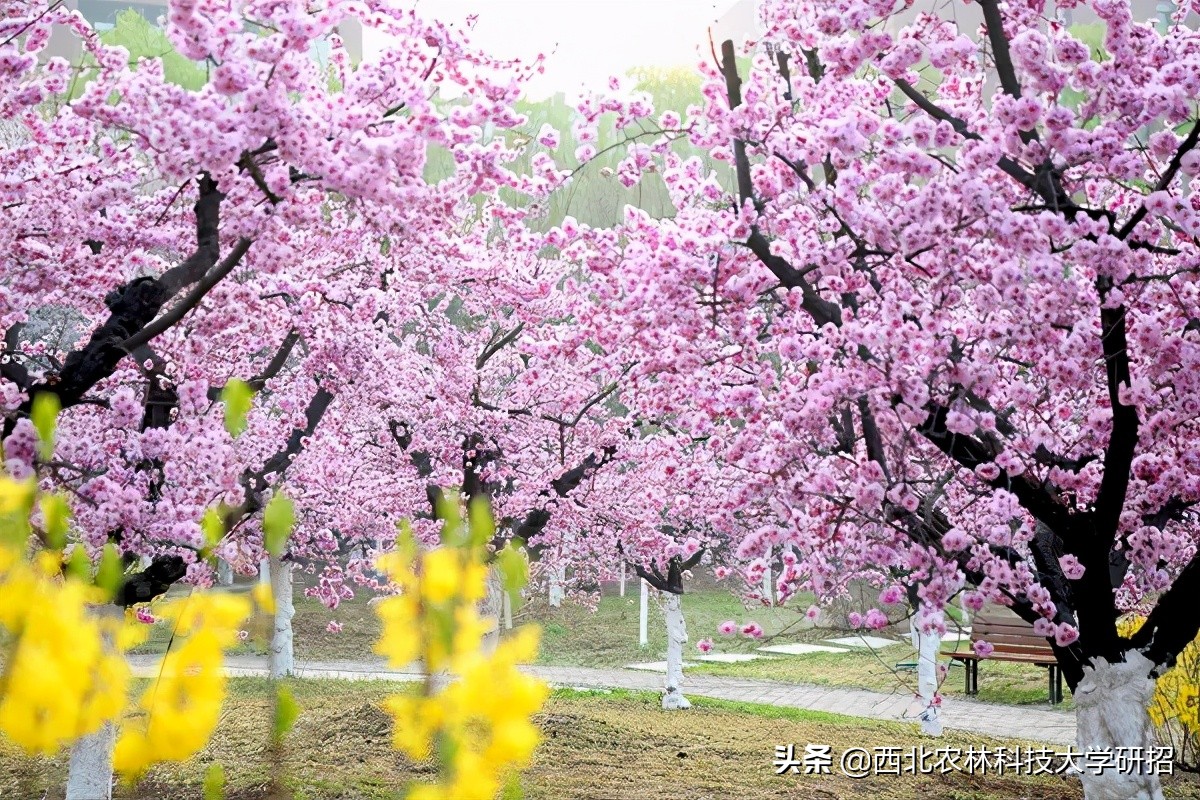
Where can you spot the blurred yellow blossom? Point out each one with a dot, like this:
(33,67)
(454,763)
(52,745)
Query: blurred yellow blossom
(475,719)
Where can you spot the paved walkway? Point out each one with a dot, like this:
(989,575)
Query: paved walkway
(1001,721)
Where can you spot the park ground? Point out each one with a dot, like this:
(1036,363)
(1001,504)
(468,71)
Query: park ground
(597,746)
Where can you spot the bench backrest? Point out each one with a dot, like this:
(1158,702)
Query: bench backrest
(1008,633)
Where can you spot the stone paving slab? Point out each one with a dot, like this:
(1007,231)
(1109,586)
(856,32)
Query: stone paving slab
(728,658)
(1043,725)
(801,649)
(873,642)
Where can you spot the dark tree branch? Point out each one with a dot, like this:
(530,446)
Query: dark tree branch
(132,307)
(259,381)
(1122,442)
(191,300)
(1173,623)
(498,345)
(1164,182)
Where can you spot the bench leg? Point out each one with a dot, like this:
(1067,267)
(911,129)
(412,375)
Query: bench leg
(973,676)
(1054,674)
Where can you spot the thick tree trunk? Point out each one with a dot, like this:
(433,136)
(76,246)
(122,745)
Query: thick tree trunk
(622,579)
(558,581)
(1110,713)
(283,657)
(224,573)
(676,638)
(90,774)
(928,645)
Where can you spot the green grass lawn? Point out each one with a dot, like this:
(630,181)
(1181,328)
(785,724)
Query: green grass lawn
(596,746)
(608,637)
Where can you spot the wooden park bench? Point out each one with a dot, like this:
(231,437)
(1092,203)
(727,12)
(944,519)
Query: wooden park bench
(1013,639)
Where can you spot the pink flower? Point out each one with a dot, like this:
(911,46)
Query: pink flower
(876,619)
(752,629)
(243,635)
(855,619)
(983,649)
(704,645)
(334,626)
(813,613)
(1043,627)
(988,471)
(548,137)
(1065,635)
(143,615)
(720,573)
(891,595)
(1071,567)
(954,540)
(727,627)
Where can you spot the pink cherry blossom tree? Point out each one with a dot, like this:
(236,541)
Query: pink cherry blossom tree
(947,325)
(160,241)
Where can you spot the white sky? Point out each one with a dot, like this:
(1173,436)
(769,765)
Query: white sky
(586,41)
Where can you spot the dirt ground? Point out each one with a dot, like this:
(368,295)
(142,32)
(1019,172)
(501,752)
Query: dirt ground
(596,747)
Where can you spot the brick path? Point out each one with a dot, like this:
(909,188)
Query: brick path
(1001,721)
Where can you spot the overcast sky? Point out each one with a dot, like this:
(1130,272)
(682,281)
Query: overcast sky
(585,41)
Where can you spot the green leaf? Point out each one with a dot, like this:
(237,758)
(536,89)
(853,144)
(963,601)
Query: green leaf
(214,783)
(279,517)
(406,543)
(237,397)
(79,566)
(213,525)
(44,416)
(513,568)
(56,513)
(483,526)
(287,710)
(452,527)
(110,572)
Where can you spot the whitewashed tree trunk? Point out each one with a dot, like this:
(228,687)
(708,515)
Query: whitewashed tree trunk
(90,774)
(644,617)
(490,608)
(768,582)
(283,656)
(264,571)
(558,581)
(622,579)
(927,646)
(1110,713)
(676,638)
(507,598)
(224,573)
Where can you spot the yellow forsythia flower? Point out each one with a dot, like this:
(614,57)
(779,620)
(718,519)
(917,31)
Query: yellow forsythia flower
(479,723)
(264,598)
(63,677)
(180,709)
